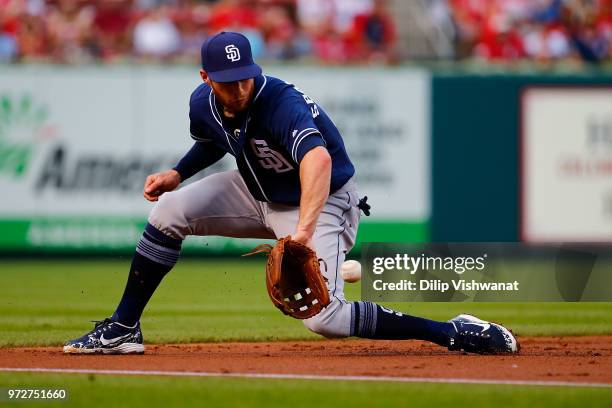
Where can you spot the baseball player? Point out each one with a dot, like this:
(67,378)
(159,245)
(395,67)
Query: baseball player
(294,178)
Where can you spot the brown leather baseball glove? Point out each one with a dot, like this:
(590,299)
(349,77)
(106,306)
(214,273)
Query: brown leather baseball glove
(293,278)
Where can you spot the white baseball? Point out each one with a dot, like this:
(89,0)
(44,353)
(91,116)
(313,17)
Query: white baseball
(351,271)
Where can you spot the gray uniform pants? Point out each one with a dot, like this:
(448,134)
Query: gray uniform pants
(221,204)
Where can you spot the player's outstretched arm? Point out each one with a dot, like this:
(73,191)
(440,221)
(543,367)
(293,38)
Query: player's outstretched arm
(158,183)
(315,176)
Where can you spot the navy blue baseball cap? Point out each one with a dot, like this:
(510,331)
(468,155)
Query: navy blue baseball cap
(227,57)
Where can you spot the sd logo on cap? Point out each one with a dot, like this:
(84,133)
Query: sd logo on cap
(227,57)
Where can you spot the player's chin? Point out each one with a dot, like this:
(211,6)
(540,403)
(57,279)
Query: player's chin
(239,105)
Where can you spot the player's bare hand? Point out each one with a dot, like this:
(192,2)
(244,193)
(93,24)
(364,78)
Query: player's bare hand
(158,183)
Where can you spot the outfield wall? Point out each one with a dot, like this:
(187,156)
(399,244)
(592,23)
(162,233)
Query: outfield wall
(77,143)
(443,157)
(522,157)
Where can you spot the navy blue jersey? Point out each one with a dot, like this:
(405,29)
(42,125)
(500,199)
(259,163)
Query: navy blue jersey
(268,140)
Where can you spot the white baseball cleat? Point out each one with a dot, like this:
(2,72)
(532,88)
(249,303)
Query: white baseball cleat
(108,337)
(478,336)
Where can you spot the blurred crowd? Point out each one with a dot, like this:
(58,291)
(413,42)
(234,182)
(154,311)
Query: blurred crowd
(76,31)
(540,30)
(325,31)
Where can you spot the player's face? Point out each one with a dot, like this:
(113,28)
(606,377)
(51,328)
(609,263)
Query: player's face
(234,96)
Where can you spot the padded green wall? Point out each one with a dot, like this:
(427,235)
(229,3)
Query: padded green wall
(475,148)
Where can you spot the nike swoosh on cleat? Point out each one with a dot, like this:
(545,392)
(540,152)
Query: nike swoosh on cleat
(485,326)
(106,342)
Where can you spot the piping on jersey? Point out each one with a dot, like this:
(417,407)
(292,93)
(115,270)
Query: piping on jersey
(218,117)
(343,225)
(245,130)
(262,87)
(255,177)
(199,139)
(298,140)
(218,120)
(210,101)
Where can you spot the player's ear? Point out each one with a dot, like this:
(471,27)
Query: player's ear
(204,76)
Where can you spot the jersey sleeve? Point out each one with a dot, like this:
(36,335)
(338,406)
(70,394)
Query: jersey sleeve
(200,156)
(196,130)
(294,126)
(204,152)
(198,106)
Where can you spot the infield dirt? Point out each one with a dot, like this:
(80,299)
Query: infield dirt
(575,359)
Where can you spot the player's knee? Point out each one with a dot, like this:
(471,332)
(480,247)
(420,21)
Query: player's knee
(332,322)
(168,216)
(320,327)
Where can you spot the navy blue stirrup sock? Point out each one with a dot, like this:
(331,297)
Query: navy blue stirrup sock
(155,255)
(373,321)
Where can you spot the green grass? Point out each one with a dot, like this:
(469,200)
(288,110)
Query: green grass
(48,301)
(90,390)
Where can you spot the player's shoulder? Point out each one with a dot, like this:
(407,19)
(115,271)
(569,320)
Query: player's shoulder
(271,83)
(277,97)
(271,90)
(200,94)
(199,104)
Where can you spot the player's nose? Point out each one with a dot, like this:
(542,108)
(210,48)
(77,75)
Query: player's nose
(243,86)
